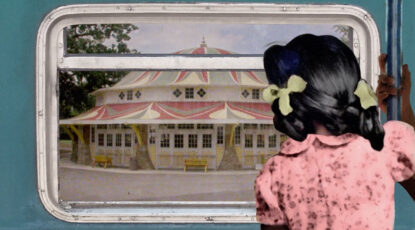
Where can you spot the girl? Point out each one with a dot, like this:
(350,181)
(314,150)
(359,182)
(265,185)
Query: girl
(339,167)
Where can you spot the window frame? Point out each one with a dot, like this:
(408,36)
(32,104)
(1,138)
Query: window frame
(51,56)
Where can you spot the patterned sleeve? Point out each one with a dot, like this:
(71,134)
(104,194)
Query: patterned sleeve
(400,142)
(267,208)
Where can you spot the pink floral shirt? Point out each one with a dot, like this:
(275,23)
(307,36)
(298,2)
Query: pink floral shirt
(335,182)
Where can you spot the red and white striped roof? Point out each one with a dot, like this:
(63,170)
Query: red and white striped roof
(138,79)
(173,112)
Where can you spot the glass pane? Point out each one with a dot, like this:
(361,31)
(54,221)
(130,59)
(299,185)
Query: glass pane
(163,109)
(191,38)
(168,130)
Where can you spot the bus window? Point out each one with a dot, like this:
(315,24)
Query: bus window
(154,113)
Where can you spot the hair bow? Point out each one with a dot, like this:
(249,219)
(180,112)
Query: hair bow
(295,84)
(366,95)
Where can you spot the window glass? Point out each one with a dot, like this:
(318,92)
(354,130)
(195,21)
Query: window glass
(192,140)
(127,140)
(272,141)
(255,94)
(165,140)
(238,135)
(118,140)
(178,141)
(185,126)
(260,142)
(129,95)
(101,139)
(249,141)
(109,140)
(220,135)
(207,141)
(189,93)
(204,126)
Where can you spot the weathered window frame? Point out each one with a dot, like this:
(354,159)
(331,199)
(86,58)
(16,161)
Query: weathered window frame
(51,56)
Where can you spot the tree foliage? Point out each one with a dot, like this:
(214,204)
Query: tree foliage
(345,31)
(75,86)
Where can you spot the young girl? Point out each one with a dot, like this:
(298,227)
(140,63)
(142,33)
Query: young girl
(340,165)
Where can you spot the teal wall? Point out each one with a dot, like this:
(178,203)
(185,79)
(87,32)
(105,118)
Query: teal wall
(405,207)
(20,207)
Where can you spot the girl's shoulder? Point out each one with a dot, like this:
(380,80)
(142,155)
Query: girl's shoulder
(398,134)
(399,149)
(394,126)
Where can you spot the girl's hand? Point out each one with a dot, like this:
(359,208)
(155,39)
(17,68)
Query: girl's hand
(387,88)
(405,88)
(386,85)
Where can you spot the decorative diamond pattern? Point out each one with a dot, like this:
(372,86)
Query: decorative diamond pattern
(201,92)
(245,93)
(121,95)
(177,93)
(137,94)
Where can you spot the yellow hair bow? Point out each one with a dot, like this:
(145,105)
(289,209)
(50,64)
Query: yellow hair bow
(366,95)
(295,84)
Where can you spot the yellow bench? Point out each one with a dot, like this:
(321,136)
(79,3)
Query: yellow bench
(99,159)
(195,163)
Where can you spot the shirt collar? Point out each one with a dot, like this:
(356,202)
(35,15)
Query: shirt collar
(291,146)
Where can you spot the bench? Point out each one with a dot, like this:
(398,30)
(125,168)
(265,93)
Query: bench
(101,159)
(195,163)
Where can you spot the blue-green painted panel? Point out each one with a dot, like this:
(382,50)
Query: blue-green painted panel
(20,207)
(405,206)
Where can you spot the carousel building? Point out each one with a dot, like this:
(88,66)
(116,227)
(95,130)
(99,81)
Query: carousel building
(158,119)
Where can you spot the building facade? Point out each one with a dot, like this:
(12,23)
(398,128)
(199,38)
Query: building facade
(160,118)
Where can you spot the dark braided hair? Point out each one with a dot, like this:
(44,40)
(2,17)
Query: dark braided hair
(332,73)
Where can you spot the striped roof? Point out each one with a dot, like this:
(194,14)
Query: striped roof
(173,112)
(168,78)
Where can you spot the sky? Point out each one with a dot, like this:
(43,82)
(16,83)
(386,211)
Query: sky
(239,38)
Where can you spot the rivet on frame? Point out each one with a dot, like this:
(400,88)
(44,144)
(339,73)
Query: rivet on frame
(119,219)
(252,8)
(40,113)
(297,8)
(60,45)
(75,217)
(365,17)
(163,8)
(208,7)
(284,8)
(129,8)
(60,60)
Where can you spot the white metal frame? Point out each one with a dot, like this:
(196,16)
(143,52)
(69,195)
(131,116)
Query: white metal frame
(50,56)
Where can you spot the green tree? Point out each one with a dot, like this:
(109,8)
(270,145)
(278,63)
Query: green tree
(346,33)
(75,86)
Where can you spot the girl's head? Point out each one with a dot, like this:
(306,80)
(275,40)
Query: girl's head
(332,73)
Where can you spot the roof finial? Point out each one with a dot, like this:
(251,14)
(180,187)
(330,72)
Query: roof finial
(203,44)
